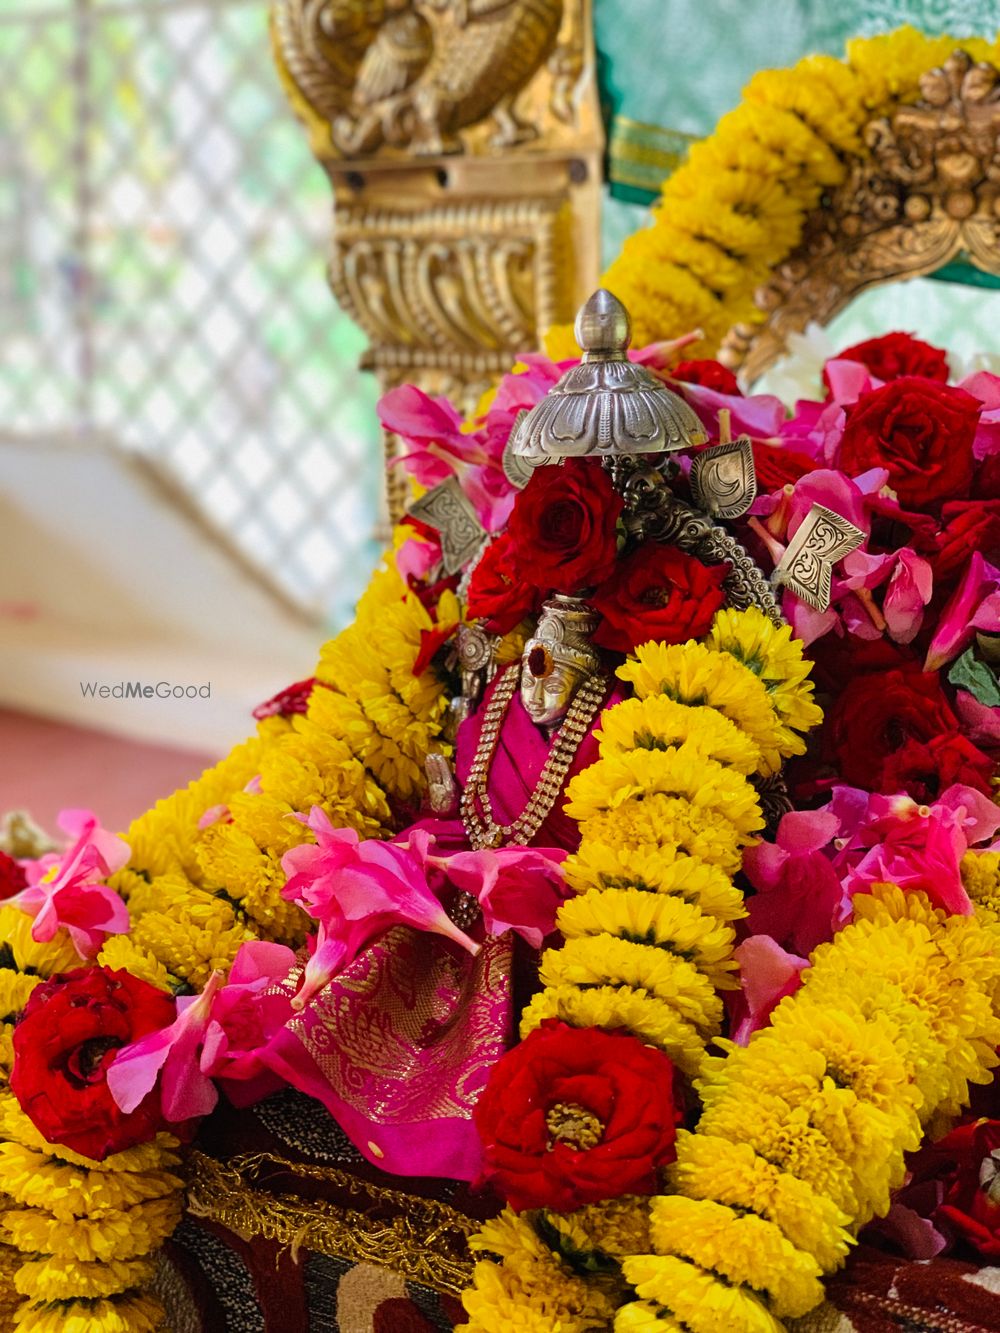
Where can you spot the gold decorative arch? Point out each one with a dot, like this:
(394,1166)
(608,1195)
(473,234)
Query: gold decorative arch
(927,193)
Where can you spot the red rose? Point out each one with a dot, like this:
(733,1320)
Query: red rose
(287,702)
(497,593)
(776,467)
(923,769)
(969,525)
(876,715)
(986,485)
(575,1115)
(12,876)
(708,373)
(564,526)
(972,1202)
(896,354)
(922,432)
(69,1033)
(659,593)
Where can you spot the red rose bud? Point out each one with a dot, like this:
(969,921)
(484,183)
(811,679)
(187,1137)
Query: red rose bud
(708,373)
(921,432)
(659,593)
(896,354)
(12,876)
(497,593)
(575,1115)
(970,525)
(287,702)
(72,1027)
(564,526)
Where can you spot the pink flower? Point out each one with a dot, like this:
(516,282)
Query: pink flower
(65,889)
(975,604)
(761,416)
(247,1012)
(986,387)
(334,948)
(174,1055)
(767,974)
(918,847)
(518,888)
(799,893)
(981,722)
(910,589)
(358,889)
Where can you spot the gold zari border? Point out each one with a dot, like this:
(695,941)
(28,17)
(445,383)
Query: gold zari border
(427,1242)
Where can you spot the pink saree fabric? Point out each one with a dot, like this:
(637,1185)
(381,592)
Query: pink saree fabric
(399,1047)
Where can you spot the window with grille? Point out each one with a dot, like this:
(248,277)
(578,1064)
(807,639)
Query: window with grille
(163,230)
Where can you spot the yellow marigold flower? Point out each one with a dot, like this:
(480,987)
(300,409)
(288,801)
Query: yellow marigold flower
(981,877)
(509,1234)
(730,1172)
(130,1313)
(41,1180)
(116,1234)
(692,673)
(774,656)
(659,823)
(659,723)
(270,822)
(56,955)
(122,953)
(696,1298)
(49,1279)
(649,918)
(601,960)
(15,988)
(645,1317)
(651,1020)
(125,881)
(600,865)
(747,1250)
(687,773)
(255,878)
(616,1227)
(534,1298)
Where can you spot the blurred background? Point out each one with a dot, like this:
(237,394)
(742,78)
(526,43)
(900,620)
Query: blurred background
(191,467)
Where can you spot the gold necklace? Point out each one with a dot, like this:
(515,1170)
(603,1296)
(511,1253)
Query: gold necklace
(476,808)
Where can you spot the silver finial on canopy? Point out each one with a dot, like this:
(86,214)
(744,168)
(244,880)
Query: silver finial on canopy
(608,406)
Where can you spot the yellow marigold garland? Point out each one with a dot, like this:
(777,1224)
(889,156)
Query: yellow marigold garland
(664,814)
(736,208)
(197,888)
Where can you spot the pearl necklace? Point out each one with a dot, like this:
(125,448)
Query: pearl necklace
(476,809)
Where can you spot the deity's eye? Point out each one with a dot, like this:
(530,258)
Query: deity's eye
(540,662)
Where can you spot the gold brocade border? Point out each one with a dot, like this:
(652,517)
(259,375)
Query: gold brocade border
(426,1242)
(643,155)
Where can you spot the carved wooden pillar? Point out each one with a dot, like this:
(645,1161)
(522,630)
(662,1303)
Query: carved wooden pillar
(463,142)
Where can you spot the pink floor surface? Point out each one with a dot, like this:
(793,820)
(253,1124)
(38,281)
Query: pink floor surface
(47,766)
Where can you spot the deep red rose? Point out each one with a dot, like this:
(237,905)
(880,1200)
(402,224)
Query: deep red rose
(69,1033)
(877,715)
(708,373)
(287,702)
(972,1202)
(12,876)
(497,593)
(924,769)
(575,1115)
(776,467)
(919,430)
(968,525)
(896,354)
(986,484)
(563,526)
(658,592)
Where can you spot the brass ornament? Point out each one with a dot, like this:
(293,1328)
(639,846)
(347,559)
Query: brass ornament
(928,193)
(806,568)
(723,479)
(607,405)
(448,509)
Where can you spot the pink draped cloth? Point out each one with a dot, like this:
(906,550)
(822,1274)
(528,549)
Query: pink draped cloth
(399,1047)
